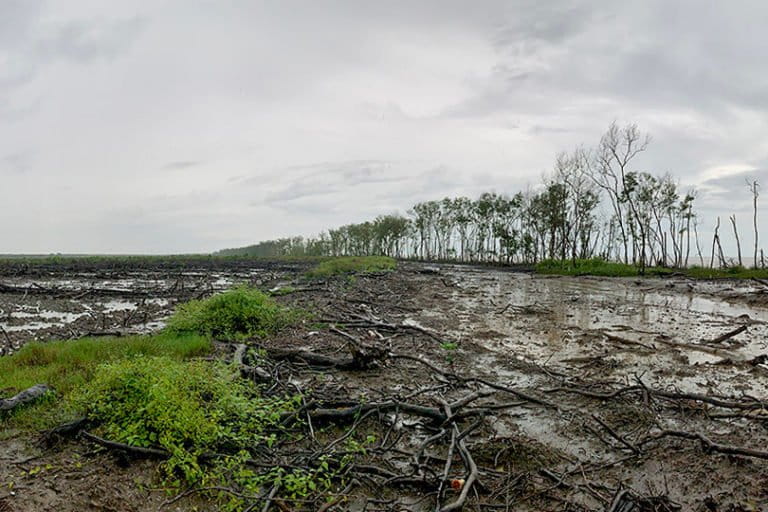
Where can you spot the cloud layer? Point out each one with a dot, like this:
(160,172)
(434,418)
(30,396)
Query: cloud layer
(190,126)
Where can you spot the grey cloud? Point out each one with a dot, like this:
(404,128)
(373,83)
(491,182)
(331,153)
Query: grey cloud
(181,164)
(362,171)
(531,22)
(731,192)
(325,178)
(299,190)
(395,101)
(28,45)
(16,19)
(87,41)
(16,162)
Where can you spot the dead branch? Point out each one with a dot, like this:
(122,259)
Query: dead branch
(729,335)
(708,445)
(616,436)
(133,450)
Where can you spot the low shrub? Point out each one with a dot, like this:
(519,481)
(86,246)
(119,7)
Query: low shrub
(188,408)
(237,313)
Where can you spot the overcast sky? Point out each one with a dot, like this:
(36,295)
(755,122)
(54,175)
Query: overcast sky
(189,126)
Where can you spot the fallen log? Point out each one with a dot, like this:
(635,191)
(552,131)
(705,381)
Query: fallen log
(363,357)
(311,358)
(25,397)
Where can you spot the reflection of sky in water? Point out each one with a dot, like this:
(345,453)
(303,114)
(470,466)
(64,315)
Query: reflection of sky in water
(579,309)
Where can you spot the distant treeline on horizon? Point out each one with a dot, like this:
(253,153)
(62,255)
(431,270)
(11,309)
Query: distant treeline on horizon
(592,206)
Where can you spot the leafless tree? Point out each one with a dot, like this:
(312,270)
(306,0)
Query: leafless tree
(698,246)
(738,244)
(754,187)
(716,245)
(617,148)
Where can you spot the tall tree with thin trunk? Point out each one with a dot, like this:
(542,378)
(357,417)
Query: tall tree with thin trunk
(736,234)
(618,147)
(754,186)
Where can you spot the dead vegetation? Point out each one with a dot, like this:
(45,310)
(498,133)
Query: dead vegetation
(413,412)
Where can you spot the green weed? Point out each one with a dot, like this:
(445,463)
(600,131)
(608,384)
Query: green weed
(600,267)
(188,408)
(352,264)
(68,365)
(237,313)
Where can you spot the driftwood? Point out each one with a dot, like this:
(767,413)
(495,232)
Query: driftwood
(25,397)
(728,335)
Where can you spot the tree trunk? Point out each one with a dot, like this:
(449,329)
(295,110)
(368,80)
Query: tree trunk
(738,244)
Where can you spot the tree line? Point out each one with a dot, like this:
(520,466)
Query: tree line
(594,204)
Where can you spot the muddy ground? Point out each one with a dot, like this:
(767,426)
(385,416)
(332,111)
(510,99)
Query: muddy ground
(568,393)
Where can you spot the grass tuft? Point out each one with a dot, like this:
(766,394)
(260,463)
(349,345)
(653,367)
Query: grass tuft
(68,365)
(352,264)
(586,267)
(237,313)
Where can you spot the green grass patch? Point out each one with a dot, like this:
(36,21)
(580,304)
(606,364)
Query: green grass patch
(188,408)
(68,365)
(735,272)
(237,313)
(352,264)
(600,267)
(591,267)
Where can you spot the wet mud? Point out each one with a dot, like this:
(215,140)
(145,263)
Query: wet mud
(590,393)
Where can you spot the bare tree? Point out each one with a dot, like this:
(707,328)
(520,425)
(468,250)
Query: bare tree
(716,244)
(617,148)
(754,187)
(698,246)
(738,244)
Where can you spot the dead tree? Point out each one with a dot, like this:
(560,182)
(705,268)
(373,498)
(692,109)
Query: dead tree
(698,246)
(716,245)
(754,186)
(738,243)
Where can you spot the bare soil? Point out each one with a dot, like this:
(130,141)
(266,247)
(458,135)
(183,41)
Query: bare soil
(574,393)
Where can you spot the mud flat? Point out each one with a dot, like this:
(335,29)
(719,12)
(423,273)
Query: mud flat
(45,302)
(531,392)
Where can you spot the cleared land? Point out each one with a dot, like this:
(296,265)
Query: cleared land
(426,385)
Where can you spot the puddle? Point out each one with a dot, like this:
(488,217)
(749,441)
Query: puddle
(616,327)
(117,305)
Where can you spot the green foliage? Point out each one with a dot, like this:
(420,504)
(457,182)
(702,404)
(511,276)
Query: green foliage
(237,313)
(582,267)
(599,267)
(66,365)
(185,407)
(735,272)
(449,345)
(351,264)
